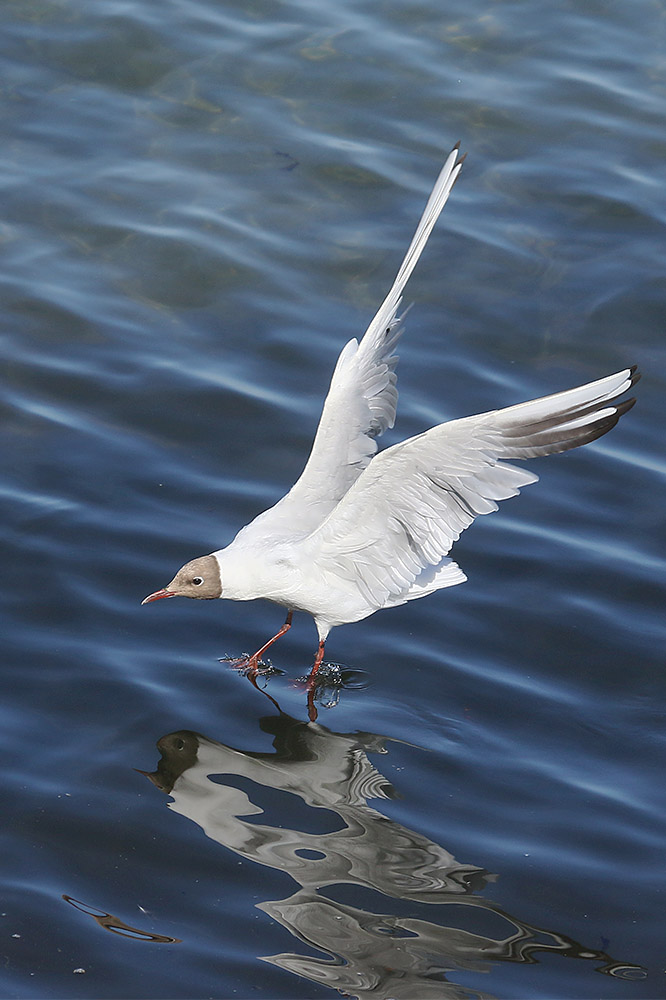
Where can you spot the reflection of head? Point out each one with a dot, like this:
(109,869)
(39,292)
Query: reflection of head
(319,783)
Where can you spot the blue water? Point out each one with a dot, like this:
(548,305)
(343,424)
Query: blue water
(200,203)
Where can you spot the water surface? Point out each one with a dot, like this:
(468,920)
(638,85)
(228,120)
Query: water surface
(200,204)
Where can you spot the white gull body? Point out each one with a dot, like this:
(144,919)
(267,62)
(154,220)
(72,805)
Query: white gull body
(360,531)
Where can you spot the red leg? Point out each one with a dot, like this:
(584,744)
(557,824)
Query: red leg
(317,663)
(254,659)
(251,664)
(312,711)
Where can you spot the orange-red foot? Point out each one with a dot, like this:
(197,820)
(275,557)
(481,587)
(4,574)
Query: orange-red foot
(246,664)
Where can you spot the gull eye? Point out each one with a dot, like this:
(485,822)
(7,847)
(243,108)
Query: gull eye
(197,581)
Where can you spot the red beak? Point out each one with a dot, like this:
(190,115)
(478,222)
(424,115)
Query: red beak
(158,595)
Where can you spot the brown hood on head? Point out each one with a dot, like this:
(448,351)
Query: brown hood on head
(199,578)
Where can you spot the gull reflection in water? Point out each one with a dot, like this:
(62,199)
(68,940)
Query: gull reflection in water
(392,912)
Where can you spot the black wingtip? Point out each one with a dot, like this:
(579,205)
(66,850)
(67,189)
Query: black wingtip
(461,158)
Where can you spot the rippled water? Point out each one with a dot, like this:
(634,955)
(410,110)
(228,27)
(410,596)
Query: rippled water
(201,203)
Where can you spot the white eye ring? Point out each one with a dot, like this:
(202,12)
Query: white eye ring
(197,581)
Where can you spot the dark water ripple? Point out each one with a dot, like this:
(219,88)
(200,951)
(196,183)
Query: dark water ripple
(200,204)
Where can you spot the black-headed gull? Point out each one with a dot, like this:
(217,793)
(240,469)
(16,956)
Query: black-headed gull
(360,532)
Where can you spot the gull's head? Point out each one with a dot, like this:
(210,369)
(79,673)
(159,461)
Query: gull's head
(198,578)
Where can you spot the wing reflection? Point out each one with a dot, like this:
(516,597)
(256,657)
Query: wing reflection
(392,912)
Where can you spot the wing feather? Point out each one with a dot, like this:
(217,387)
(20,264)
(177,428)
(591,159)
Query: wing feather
(362,398)
(389,536)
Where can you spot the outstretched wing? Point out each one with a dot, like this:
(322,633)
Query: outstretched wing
(389,536)
(362,397)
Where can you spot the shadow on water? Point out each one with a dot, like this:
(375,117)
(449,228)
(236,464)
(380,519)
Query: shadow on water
(417,915)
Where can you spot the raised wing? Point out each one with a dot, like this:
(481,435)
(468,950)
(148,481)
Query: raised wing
(362,397)
(388,538)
